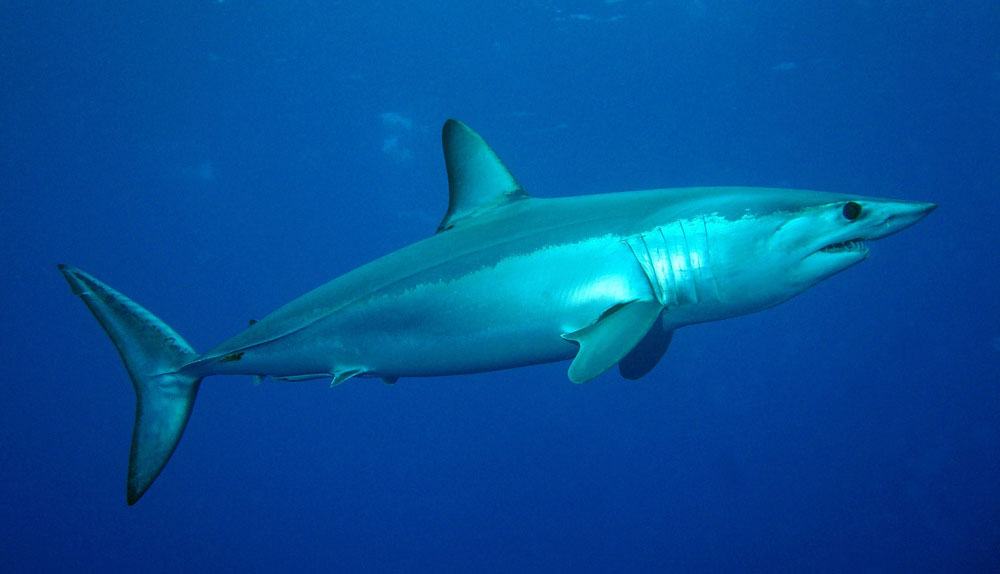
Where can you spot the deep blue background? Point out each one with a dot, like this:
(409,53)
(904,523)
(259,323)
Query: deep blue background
(214,159)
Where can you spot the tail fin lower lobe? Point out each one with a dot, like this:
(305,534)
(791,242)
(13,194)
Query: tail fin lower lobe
(153,354)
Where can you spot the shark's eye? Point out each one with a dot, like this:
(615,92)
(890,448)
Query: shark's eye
(852,210)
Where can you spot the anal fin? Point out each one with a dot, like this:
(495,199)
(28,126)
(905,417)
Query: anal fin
(341,376)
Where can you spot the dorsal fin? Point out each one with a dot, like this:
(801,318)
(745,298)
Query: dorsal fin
(477,178)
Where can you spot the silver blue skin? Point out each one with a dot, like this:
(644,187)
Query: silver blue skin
(510,280)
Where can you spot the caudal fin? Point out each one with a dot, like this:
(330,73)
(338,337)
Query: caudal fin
(153,353)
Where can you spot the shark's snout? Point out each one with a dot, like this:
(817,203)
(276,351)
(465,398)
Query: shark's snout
(898,215)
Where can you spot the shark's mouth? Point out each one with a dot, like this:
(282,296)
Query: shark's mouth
(846,246)
(850,245)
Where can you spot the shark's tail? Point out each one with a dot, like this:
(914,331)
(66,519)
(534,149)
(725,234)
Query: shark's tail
(153,354)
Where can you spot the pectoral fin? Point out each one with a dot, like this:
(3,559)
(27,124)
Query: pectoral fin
(610,338)
(644,356)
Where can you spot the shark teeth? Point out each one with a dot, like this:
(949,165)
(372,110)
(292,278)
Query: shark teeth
(850,245)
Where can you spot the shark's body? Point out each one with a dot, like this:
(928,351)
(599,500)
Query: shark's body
(509,280)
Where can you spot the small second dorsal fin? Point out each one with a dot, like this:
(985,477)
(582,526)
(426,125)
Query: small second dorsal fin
(477,178)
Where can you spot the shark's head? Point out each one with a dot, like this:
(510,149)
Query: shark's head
(820,240)
(788,240)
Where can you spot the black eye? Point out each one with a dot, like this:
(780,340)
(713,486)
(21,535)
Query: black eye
(852,210)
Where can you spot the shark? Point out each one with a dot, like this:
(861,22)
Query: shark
(509,280)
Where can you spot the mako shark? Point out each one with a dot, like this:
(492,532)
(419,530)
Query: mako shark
(510,280)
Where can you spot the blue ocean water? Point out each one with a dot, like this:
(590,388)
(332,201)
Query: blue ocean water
(214,159)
